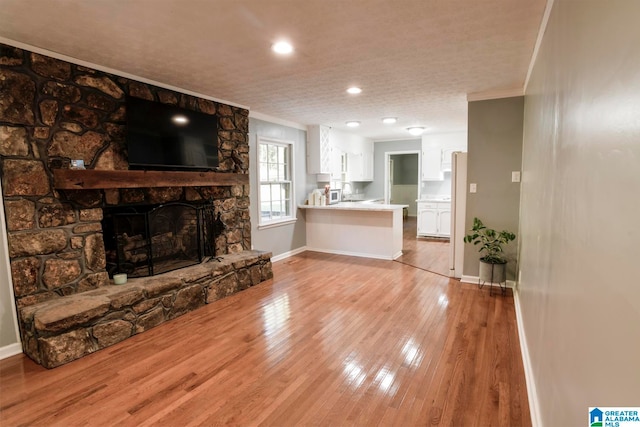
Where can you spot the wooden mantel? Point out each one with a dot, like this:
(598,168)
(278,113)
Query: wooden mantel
(91,179)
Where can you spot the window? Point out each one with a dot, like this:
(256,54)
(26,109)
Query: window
(275,171)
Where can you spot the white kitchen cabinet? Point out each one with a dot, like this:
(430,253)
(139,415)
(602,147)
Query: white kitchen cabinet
(367,167)
(338,164)
(447,154)
(346,157)
(432,164)
(434,219)
(436,153)
(355,167)
(319,149)
(360,163)
(444,219)
(427,219)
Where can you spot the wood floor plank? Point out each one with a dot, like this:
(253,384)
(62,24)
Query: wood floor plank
(331,340)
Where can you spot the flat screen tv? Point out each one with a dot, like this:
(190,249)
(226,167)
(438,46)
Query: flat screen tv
(161,136)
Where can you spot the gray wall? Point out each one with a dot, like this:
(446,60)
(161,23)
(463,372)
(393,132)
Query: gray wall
(284,238)
(495,150)
(376,188)
(579,293)
(8,324)
(405,169)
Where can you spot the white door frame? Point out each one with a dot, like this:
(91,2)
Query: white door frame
(387,157)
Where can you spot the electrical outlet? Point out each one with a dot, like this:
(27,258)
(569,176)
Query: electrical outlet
(473,187)
(515,176)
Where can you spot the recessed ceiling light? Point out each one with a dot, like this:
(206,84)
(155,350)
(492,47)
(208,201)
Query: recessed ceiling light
(353,124)
(282,48)
(179,119)
(416,130)
(353,90)
(389,120)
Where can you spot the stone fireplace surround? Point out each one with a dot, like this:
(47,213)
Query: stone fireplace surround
(52,111)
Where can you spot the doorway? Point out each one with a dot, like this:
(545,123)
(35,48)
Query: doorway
(403,186)
(402,179)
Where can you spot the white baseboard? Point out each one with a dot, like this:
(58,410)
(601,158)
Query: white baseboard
(10,350)
(356,254)
(532,394)
(285,255)
(474,279)
(288,254)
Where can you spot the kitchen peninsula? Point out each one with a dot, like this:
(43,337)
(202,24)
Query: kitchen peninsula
(362,229)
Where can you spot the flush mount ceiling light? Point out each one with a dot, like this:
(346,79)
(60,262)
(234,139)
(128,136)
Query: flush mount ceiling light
(389,120)
(179,119)
(282,48)
(353,124)
(415,130)
(353,90)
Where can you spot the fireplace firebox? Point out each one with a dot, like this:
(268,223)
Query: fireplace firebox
(153,239)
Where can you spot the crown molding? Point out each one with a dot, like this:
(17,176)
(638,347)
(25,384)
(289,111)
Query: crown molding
(541,31)
(494,94)
(276,120)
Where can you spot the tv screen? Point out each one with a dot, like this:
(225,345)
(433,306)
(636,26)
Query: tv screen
(161,136)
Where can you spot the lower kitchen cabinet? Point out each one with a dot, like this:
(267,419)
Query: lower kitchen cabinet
(434,219)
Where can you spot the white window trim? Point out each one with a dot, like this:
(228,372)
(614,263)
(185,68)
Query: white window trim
(290,219)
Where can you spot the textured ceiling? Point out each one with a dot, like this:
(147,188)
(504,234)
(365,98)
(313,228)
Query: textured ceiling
(414,59)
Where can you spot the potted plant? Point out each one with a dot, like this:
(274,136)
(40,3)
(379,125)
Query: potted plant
(492,263)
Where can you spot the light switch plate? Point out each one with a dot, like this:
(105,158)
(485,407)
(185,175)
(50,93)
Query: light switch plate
(472,187)
(515,176)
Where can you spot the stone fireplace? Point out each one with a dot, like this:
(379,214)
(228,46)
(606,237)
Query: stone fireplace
(53,111)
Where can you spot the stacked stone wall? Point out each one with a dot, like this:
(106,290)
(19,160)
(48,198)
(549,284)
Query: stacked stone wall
(51,112)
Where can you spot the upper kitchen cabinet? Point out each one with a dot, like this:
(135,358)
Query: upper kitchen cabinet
(367,152)
(345,156)
(319,149)
(437,150)
(360,163)
(432,164)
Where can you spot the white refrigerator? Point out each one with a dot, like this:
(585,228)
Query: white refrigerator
(458,212)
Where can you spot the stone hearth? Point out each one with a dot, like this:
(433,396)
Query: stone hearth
(61,330)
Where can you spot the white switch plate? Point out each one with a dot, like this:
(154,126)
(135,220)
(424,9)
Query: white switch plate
(472,187)
(515,176)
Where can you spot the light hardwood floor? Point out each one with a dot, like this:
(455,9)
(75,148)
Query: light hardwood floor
(332,340)
(429,254)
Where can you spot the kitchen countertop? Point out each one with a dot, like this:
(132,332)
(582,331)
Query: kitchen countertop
(364,229)
(435,199)
(356,206)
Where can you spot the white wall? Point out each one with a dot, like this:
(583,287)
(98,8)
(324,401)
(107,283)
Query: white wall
(579,294)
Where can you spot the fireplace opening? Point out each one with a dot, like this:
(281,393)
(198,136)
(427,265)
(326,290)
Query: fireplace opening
(153,239)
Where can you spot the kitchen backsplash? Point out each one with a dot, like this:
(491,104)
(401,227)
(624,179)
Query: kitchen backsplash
(437,188)
(356,189)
